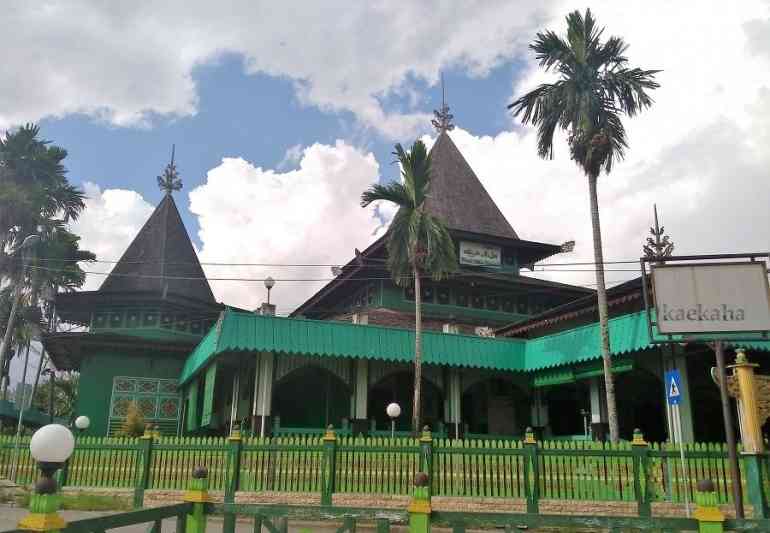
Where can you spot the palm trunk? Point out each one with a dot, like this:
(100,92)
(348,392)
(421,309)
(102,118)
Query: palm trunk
(417,352)
(601,293)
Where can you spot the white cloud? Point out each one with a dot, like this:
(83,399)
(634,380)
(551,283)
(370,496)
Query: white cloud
(310,215)
(126,63)
(109,223)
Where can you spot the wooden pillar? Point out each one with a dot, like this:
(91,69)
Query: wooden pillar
(263,393)
(362,389)
(540,419)
(599,425)
(454,388)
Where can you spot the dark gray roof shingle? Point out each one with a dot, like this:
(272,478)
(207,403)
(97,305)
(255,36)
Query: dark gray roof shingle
(457,196)
(161,248)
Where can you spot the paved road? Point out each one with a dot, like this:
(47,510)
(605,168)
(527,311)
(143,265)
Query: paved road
(10,516)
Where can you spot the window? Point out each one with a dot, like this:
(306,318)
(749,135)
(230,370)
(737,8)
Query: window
(462,299)
(116,320)
(157,399)
(409,293)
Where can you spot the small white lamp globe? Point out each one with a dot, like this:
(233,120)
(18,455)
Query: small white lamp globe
(393,410)
(82,422)
(52,444)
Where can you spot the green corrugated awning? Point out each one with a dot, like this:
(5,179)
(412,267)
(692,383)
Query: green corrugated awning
(247,332)
(628,333)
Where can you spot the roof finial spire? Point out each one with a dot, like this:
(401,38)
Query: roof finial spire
(443,120)
(659,245)
(170,181)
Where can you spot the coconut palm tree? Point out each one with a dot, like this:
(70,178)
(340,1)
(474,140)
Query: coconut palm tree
(34,190)
(594,90)
(418,243)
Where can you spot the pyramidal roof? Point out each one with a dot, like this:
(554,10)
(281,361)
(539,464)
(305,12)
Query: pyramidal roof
(457,196)
(160,254)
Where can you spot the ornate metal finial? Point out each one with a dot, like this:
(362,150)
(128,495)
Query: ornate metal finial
(443,120)
(659,245)
(170,180)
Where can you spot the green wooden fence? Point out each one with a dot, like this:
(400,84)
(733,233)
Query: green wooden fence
(564,470)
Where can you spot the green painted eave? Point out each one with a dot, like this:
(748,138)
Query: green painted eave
(628,333)
(247,332)
(152,334)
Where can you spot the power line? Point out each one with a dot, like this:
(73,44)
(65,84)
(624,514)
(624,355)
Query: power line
(365,262)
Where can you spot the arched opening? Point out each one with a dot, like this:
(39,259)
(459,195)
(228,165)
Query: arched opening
(495,406)
(311,397)
(567,405)
(640,400)
(399,388)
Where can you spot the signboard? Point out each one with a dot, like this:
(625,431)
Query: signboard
(477,254)
(673,382)
(711,297)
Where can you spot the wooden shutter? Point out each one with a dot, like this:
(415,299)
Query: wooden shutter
(192,405)
(208,395)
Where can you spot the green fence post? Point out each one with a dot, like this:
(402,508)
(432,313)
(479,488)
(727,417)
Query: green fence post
(330,465)
(143,457)
(419,509)
(531,472)
(197,495)
(641,451)
(710,518)
(234,445)
(426,455)
(755,483)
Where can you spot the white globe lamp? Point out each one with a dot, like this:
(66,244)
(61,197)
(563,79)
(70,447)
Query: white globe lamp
(393,410)
(50,446)
(82,422)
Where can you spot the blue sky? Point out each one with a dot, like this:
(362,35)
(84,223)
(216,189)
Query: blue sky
(337,83)
(257,117)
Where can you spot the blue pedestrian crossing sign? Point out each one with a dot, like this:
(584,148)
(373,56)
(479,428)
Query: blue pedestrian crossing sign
(673,387)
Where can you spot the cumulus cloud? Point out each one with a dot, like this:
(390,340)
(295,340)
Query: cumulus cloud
(126,63)
(111,220)
(311,215)
(701,153)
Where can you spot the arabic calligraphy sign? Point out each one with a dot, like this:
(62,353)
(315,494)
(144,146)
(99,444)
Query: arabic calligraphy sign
(476,254)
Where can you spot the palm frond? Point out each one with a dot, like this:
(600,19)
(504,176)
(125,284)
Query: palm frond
(550,50)
(628,87)
(390,192)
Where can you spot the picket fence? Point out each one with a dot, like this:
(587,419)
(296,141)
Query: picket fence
(344,464)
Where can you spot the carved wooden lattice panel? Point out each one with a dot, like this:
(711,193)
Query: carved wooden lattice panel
(157,399)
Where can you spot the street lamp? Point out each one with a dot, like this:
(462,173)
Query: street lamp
(27,249)
(51,383)
(269,284)
(50,446)
(393,410)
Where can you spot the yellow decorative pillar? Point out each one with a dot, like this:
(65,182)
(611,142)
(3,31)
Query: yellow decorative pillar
(751,425)
(751,431)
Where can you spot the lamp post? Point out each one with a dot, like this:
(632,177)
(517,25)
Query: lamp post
(269,284)
(50,446)
(51,384)
(393,410)
(27,249)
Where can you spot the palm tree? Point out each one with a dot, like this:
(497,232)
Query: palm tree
(34,190)
(596,87)
(417,241)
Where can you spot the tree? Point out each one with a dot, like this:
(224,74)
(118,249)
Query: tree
(65,392)
(36,198)
(595,89)
(417,241)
